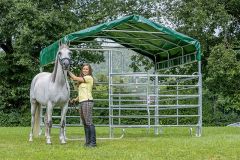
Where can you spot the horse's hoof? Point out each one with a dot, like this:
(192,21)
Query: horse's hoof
(63,142)
(49,142)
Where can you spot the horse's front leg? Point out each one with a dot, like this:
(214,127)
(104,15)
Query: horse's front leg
(33,110)
(62,135)
(49,122)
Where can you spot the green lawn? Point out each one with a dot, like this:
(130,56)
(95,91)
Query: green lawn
(216,143)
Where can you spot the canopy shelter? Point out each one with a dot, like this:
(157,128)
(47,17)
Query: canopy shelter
(153,40)
(152,98)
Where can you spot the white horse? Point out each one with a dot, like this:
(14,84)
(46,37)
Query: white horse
(50,90)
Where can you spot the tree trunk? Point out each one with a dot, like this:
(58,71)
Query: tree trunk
(7,46)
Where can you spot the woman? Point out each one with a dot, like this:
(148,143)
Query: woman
(85,81)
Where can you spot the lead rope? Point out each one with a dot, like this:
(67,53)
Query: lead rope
(73,105)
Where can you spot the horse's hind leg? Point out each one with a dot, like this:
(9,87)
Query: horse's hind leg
(33,111)
(62,135)
(45,123)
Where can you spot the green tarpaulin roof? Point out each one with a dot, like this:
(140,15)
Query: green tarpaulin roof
(134,32)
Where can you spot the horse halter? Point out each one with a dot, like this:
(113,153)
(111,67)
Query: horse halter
(61,60)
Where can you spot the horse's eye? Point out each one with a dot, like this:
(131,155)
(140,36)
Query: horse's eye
(60,53)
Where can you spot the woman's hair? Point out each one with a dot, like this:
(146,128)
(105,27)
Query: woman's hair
(90,70)
(81,74)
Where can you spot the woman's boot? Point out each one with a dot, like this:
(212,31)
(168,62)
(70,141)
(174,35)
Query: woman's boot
(92,136)
(87,135)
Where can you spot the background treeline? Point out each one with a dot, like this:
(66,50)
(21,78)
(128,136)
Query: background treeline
(27,26)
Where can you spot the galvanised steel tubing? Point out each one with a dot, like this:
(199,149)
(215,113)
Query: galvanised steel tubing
(156,102)
(147,102)
(177,102)
(164,83)
(187,79)
(131,126)
(97,49)
(110,94)
(177,98)
(146,126)
(174,85)
(173,95)
(153,75)
(182,98)
(136,74)
(151,33)
(129,84)
(130,94)
(172,59)
(149,107)
(132,105)
(157,48)
(139,49)
(122,70)
(152,108)
(153,116)
(180,105)
(182,89)
(137,109)
(169,108)
(119,109)
(104,39)
(129,100)
(167,75)
(138,31)
(199,128)
(175,48)
(149,43)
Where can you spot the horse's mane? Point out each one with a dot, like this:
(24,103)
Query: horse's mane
(55,70)
(56,62)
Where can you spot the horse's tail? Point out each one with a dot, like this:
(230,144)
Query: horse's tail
(36,129)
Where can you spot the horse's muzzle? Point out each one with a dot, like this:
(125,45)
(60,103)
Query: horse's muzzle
(65,62)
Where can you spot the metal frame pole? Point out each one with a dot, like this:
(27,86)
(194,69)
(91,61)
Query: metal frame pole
(177,102)
(199,128)
(110,93)
(156,105)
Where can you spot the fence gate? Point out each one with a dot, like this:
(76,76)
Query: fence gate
(154,101)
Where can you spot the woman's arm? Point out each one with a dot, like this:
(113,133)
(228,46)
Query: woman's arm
(74,100)
(80,79)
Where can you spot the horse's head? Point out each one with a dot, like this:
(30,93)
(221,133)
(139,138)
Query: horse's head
(64,56)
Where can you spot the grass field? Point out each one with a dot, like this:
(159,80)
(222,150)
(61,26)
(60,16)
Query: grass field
(216,143)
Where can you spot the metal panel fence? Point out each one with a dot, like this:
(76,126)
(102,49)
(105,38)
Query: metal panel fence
(142,100)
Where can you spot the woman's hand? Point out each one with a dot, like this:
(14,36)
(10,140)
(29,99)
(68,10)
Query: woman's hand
(74,100)
(72,76)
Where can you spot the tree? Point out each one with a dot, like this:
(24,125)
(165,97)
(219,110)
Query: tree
(24,31)
(28,26)
(223,77)
(216,25)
